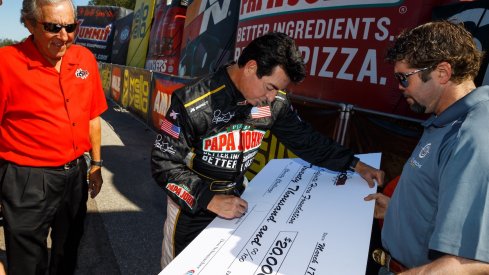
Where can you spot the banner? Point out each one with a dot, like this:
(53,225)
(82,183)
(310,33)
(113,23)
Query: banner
(343,43)
(136,91)
(105,71)
(95,29)
(166,37)
(475,16)
(141,24)
(116,84)
(208,37)
(121,39)
(163,87)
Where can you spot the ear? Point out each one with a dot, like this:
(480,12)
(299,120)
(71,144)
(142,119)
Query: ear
(30,25)
(251,68)
(443,72)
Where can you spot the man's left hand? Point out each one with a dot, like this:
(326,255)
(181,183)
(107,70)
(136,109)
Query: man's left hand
(370,174)
(94,180)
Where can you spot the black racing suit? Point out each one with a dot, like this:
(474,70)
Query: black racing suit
(210,139)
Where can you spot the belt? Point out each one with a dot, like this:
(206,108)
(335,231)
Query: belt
(384,259)
(68,165)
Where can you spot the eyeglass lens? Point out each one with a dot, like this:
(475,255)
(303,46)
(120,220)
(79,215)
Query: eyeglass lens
(56,28)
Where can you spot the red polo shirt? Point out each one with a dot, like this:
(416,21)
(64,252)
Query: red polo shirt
(44,115)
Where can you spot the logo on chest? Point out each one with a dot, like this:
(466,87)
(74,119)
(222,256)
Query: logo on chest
(236,140)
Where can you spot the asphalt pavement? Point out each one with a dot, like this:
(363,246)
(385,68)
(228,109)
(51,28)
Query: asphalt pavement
(123,229)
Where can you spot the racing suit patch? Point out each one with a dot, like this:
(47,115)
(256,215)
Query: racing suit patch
(181,192)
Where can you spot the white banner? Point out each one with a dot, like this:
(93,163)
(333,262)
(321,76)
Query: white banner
(300,220)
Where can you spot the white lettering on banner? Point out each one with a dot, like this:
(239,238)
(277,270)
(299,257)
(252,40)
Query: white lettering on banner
(116,82)
(368,69)
(254,8)
(158,65)
(330,62)
(218,12)
(333,28)
(162,102)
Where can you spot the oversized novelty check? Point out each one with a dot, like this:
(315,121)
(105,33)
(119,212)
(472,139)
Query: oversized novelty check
(300,220)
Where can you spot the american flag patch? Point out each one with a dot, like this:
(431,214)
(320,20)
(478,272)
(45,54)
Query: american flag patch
(259,112)
(170,129)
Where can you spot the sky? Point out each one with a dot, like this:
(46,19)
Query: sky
(10,26)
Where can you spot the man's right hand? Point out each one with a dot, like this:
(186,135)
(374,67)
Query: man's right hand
(228,206)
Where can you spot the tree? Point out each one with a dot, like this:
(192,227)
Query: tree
(6,42)
(128,4)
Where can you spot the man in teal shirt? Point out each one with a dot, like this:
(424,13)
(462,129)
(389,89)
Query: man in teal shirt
(438,218)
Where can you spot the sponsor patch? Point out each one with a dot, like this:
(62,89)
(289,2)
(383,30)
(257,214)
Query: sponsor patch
(80,73)
(233,141)
(182,193)
(260,112)
(170,129)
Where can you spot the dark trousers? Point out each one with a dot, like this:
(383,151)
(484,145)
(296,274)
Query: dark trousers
(34,200)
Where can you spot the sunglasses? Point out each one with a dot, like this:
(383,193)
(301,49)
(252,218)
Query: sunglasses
(403,77)
(56,28)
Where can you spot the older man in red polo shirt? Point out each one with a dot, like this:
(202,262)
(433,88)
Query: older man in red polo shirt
(50,101)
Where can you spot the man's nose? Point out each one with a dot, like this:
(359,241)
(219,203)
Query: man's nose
(63,35)
(271,96)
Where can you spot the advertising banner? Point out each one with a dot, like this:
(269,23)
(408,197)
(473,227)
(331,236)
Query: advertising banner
(163,87)
(475,16)
(95,29)
(209,36)
(136,88)
(141,24)
(343,43)
(166,37)
(116,84)
(105,70)
(291,226)
(121,39)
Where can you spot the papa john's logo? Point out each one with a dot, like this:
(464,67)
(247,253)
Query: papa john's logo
(80,73)
(424,151)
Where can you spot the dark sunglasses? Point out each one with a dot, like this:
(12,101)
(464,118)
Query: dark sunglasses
(403,77)
(56,28)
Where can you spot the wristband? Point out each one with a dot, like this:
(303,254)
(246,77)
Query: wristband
(96,163)
(353,164)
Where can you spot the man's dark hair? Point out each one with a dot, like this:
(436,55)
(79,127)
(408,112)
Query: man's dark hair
(432,43)
(275,49)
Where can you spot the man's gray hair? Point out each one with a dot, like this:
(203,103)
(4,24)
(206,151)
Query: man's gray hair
(31,9)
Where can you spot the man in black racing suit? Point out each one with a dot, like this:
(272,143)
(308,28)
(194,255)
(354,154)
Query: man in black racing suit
(212,132)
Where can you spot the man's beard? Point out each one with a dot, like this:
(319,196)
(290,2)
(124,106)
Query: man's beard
(417,108)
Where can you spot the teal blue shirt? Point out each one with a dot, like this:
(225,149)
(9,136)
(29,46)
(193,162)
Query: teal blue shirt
(441,202)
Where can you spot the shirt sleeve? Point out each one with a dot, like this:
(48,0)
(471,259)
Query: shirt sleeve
(462,220)
(170,156)
(307,143)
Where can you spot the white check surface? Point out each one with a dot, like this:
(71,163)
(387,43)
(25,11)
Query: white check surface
(298,222)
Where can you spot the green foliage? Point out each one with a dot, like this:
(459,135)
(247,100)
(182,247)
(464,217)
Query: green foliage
(6,42)
(128,4)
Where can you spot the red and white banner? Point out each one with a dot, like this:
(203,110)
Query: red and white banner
(343,43)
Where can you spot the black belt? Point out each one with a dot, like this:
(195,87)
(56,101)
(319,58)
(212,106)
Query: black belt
(69,165)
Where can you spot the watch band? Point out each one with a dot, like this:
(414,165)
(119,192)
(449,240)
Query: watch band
(96,163)
(353,164)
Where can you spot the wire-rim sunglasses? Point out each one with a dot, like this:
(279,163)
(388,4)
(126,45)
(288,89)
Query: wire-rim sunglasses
(56,28)
(403,77)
